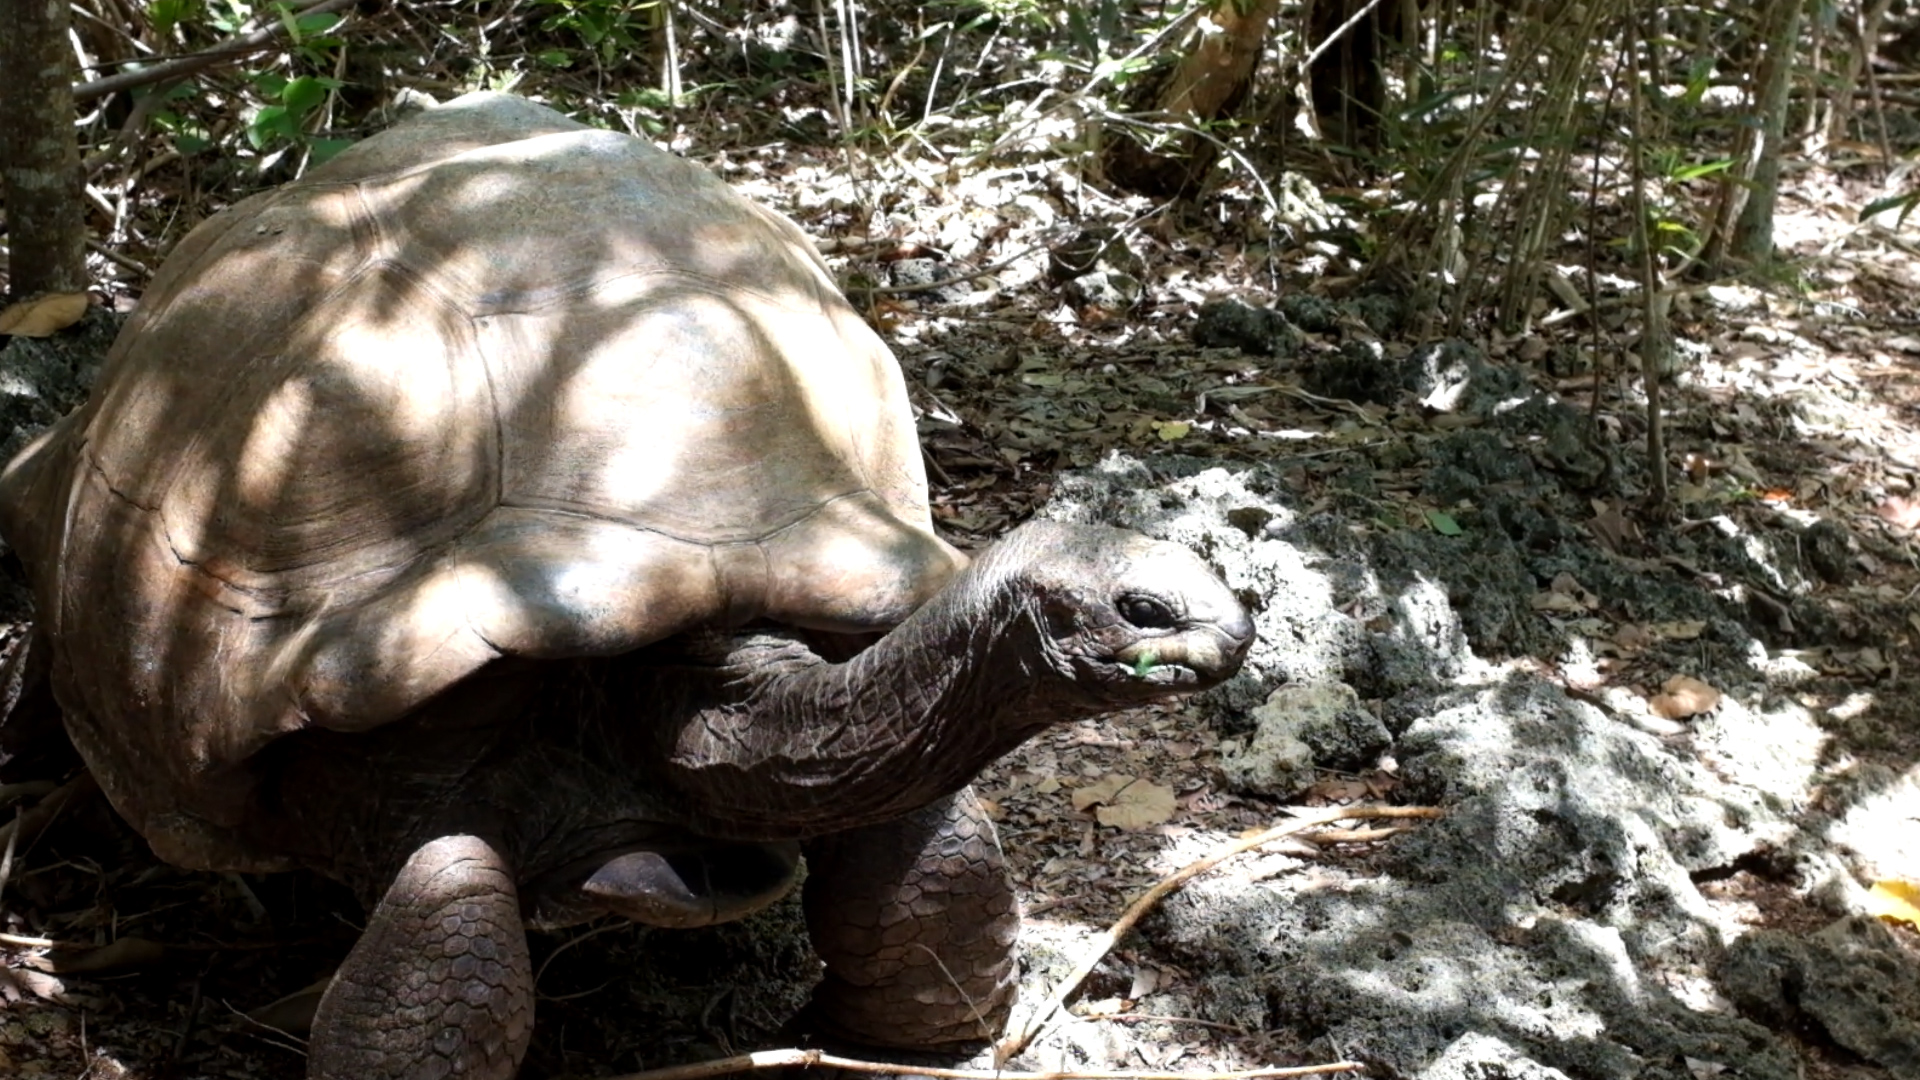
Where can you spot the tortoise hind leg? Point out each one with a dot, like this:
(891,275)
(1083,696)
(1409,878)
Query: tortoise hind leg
(440,983)
(916,921)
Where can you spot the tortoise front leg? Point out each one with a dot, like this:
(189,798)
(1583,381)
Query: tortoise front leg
(916,920)
(439,984)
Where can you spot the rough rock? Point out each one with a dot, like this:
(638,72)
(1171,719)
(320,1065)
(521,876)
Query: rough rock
(1554,922)
(1109,289)
(1298,728)
(1852,981)
(1231,324)
(1481,1057)
(1554,908)
(41,379)
(1453,377)
(1356,371)
(931,278)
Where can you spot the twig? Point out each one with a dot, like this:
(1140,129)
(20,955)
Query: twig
(6,860)
(205,58)
(929,286)
(1100,75)
(1354,836)
(119,260)
(1015,1043)
(30,824)
(1157,1018)
(787,1059)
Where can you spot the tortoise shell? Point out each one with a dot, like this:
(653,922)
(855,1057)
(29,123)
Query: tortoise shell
(489,384)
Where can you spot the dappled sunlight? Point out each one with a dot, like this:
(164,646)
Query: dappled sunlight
(1776,747)
(1882,828)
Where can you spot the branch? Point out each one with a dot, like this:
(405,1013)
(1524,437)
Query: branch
(205,58)
(785,1059)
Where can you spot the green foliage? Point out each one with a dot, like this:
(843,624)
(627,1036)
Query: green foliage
(285,94)
(165,15)
(1903,202)
(609,29)
(295,100)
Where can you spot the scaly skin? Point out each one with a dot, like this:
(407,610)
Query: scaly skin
(916,920)
(440,984)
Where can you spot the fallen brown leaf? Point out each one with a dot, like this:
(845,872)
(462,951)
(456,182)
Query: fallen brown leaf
(43,315)
(1683,696)
(1125,802)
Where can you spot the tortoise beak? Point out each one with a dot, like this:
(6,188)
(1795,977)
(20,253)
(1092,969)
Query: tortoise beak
(1195,658)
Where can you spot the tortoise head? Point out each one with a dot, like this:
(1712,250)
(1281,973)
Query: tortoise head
(1123,617)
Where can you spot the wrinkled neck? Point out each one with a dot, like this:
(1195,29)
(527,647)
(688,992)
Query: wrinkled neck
(801,747)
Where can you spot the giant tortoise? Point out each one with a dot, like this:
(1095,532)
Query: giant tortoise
(512,522)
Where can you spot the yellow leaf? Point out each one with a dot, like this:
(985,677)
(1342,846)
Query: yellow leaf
(1125,802)
(1171,430)
(1896,901)
(43,315)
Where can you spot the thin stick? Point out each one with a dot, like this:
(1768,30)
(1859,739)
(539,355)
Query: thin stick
(6,860)
(30,824)
(785,1059)
(1015,1043)
(205,58)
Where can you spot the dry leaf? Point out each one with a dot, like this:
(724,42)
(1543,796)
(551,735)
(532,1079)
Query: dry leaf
(1678,629)
(43,315)
(1553,601)
(1125,802)
(1895,901)
(1632,637)
(293,1013)
(1900,511)
(127,952)
(1339,791)
(1683,696)
(1612,528)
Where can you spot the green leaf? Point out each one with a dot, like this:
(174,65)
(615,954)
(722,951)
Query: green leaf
(324,149)
(305,93)
(1443,523)
(559,58)
(1695,172)
(167,14)
(1902,202)
(311,25)
(1144,664)
(268,124)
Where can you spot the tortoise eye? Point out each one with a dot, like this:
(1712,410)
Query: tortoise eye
(1146,613)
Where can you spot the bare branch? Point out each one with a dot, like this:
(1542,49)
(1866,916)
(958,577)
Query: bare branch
(205,58)
(786,1059)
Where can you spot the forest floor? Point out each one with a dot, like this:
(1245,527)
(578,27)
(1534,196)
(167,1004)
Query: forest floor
(1721,701)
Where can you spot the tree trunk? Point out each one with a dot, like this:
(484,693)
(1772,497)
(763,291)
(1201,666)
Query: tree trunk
(39,157)
(1739,227)
(1207,84)
(1346,80)
(1752,239)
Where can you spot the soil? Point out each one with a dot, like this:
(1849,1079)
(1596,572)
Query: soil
(1677,746)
